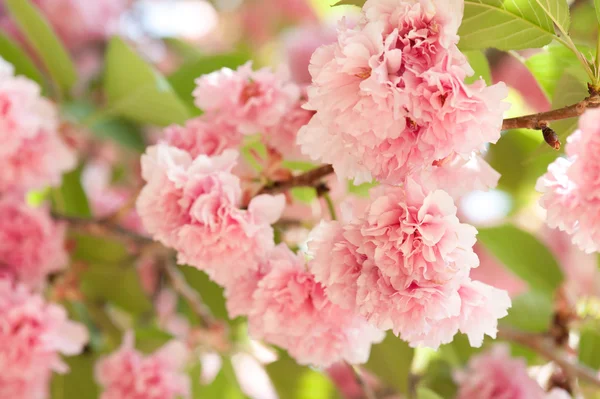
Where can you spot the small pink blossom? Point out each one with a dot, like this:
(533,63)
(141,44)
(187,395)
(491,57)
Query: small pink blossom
(571,187)
(203,136)
(32,245)
(32,154)
(250,100)
(495,375)
(193,206)
(128,374)
(33,335)
(291,310)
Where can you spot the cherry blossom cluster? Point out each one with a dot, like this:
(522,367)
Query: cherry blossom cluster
(127,373)
(400,66)
(571,187)
(494,374)
(404,265)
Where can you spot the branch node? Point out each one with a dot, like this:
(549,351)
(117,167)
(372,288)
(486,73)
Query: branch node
(551,137)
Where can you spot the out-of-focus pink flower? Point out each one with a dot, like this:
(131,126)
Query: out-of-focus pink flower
(401,67)
(282,136)
(404,265)
(128,374)
(33,335)
(168,318)
(495,375)
(291,310)
(81,22)
(250,100)
(571,187)
(300,44)
(32,245)
(32,154)
(204,136)
(344,378)
(193,206)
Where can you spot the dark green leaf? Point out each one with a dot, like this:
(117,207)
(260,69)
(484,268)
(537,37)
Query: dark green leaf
(438,377)
(149,339)
(78,382)
(70,199)
(137,91)
(589,346)
(524,255)
(224,386)
(297,382)
(511,24)
(391,361)
(183,80)
(101,250)
(480,65)
(42,38)
(211,293)
(531,312)
(459,351)
(20,60)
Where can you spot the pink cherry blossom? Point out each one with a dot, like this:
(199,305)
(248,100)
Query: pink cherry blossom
(571,187)
(250,100)
(31,244)
(193,206)
(300,44)
(495,375)
(32,154)
(399,65)
(291,310)
(128,374)
(203,136)
(282,136)
(33,335)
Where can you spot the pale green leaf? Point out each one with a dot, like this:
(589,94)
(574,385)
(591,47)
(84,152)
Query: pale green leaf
(524,255)
(531,311)
(137,91)
(589,346)
(150,339)
(597,7)
(70,199)
(424,393)
(358,3)
(78,382)
(42,38)
(20,60)
(480,65)
(211,293)
(510,24)
(224,386)
(391,361)
(293,381)
(101,250)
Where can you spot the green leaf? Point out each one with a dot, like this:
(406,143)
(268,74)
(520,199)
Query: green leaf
(438,377)
(183,79)
(480,65)
(20,60)
(118,285)
(70,199)
(524,255)
(224,386)
(511,24)
(293,381)
(305,195)
(531,312)
(424,393)
(102,250)
(137,91)
(391,361)
(597,7)
(211,293)
(78,382)
(589,346)
(43,39)
(358,3)
(149,339)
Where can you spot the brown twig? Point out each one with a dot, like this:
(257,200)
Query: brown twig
(545,346)
(309,179)
(540,120)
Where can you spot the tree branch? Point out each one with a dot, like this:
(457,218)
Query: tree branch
(540,120)
(545,347)
(308,179)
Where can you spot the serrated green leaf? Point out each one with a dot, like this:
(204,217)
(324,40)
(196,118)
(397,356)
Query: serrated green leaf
(480,65)
(42,38)
(183,79)
(224,386)
(530,312)
(391,361)
(137,91)
(524,255)
(589,346)
(70,198)
(511,24)
(78,382)
(293,381)
(424,393)
(20,61)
